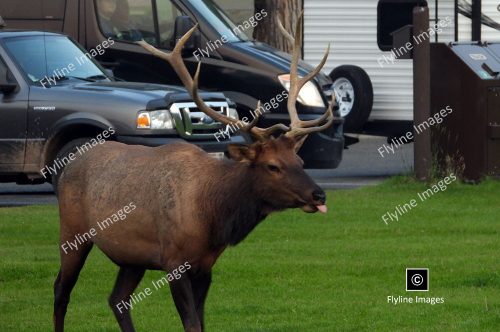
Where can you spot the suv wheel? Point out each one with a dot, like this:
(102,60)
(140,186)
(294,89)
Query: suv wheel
(354,91)
(64,152)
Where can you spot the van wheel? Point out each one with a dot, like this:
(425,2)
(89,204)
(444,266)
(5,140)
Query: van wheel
(64,152)
(354,91)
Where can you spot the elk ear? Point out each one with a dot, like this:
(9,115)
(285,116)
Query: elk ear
(242,152)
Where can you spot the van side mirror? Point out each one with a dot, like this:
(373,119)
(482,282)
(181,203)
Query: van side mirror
(182,25)
(109,72)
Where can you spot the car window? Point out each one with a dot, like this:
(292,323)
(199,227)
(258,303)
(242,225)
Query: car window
(29,53)
(128,20)
(167,13)
(51,56)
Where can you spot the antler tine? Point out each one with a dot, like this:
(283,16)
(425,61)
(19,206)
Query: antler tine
(204,107)
(177,63)
(306,79)
(316,70)
(298,127)
(304,131)
(175,57)
(262,134)
(293,92)
(285,33)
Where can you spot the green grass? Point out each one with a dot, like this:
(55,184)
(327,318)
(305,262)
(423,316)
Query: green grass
(295,272)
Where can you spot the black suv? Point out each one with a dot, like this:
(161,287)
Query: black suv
(54,99)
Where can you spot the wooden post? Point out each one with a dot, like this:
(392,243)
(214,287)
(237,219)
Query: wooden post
(421,92)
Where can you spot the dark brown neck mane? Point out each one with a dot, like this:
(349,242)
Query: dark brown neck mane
(233,208)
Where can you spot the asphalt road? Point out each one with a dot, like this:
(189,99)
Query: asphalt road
(362,165)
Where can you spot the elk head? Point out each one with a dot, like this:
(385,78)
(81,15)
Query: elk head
(283,183)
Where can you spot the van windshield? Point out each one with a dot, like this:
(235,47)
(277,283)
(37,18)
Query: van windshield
(220,21)
(154,20)
(52,57)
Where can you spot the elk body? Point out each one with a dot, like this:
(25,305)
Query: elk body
(188,206)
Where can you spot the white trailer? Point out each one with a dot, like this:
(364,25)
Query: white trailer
(351,27)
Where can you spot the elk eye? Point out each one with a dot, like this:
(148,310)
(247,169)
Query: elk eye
(273,168)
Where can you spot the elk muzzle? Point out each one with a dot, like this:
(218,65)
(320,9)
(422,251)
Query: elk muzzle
(317,202)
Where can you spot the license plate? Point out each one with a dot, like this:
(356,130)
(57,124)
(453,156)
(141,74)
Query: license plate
(217,155)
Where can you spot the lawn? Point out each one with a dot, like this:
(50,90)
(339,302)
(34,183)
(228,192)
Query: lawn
(295,272)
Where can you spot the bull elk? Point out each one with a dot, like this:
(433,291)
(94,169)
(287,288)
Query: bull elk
(188,206)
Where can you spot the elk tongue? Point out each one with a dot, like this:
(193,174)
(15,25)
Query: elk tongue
(321,208)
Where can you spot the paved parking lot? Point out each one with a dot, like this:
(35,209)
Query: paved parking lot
(361,165)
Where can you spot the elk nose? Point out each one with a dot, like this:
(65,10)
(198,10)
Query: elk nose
(319,196)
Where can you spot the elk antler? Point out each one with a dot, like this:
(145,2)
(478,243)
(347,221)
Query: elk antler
(177,63)
(300,129)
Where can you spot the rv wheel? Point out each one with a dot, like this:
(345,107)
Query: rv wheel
(354,92)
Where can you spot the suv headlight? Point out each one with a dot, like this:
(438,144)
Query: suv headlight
(160,119)
(309,94)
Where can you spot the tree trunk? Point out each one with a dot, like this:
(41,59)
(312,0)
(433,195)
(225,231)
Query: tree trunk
(267,30)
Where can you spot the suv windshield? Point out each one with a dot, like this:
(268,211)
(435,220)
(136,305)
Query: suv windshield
(54,57)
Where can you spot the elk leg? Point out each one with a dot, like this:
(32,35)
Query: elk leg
(200,284)
(182,293)
(127,280)
(71,265)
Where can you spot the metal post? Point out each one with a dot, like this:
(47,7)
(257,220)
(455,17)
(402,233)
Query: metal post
(436,18)
(421,92)
(476,20)
(456,20)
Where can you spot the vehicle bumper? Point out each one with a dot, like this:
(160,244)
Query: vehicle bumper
(320,150)
(208,146)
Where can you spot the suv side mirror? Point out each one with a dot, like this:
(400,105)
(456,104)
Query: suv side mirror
(182,25)
(6,85)
(7,88)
